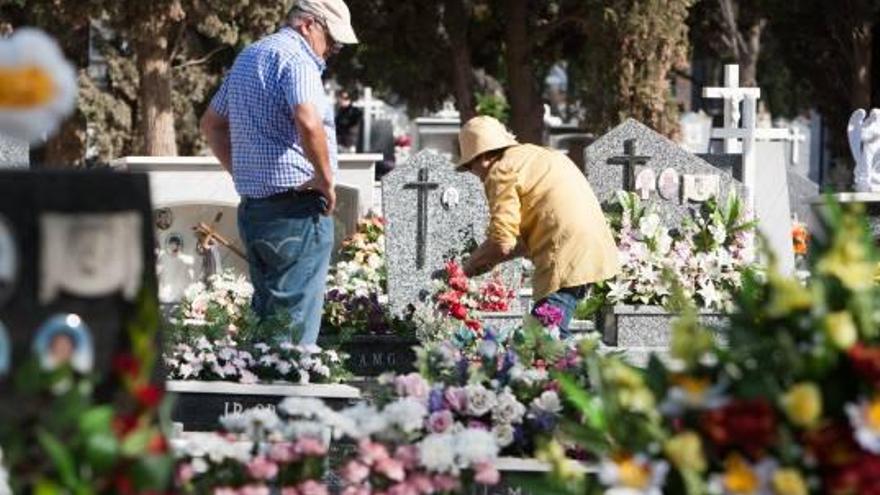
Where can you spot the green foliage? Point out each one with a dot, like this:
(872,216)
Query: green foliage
(493,105)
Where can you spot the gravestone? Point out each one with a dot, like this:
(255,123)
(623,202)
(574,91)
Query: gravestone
(631,153)
(801,146)
(802,193)
(432,211)
(76,250)
(13,153)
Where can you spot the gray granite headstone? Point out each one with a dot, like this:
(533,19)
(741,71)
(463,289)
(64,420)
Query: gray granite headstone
(346,215)
(802,193)
(422,232)
(660,154)
(13,153)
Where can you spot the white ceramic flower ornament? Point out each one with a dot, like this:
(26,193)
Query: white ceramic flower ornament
(37,85)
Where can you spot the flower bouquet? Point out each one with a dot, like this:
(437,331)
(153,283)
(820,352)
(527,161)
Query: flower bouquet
(706,257)
(788,407)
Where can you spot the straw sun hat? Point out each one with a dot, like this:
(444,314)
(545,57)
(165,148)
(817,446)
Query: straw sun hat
(479,135)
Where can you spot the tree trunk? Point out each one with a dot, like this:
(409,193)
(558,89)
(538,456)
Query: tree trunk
(748,57)
(155,112)
(455,18)
(526,111)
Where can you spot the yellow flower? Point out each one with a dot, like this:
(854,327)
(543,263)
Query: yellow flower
(685,450)
(789,482)
(841,329)
(26,87)
(739,476)
(563,468)
(787,296)
(633,474)
(802,404)
(848,261)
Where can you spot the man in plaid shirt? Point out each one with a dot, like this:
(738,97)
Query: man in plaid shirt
(271,126)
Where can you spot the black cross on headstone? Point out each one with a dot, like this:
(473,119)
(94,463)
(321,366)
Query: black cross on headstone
(422,186)
(629,160)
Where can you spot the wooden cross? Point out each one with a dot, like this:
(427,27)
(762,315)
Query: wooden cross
(422,186)
(629,160)
(208,235)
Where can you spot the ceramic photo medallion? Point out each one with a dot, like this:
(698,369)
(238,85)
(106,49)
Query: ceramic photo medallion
(669,184)
(163,218)
(646,183)
(64,340)
(699,188)
(8,260)
(450,198)
(90,254)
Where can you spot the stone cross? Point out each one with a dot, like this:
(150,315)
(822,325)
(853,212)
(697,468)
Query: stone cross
(372,111)
(422,187)
(629,160)
(797,136)
(748,133)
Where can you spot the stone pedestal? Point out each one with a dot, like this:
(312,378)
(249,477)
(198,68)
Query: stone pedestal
(199,404)
(372,355)
(641,330)
(868,200)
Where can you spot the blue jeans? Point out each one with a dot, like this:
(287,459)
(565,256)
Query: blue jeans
(565,299)
(288,243)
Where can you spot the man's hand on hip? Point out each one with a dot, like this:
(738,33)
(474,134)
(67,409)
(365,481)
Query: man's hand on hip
(327,189)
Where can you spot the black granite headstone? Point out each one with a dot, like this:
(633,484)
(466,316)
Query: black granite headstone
(27,199)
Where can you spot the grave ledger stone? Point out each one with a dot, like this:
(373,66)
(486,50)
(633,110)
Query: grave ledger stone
(76,258)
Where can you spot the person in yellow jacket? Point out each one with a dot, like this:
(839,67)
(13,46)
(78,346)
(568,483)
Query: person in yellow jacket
(541,207)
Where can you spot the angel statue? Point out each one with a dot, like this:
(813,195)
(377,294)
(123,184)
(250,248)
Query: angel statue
(864,142)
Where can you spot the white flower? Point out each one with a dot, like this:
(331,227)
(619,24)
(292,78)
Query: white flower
(649,225)
(366,420)
(474,446)
(437,453)
(759,475)
(508,409)
(408,414)
(865,420)
(303,407)
(504,434)
(635,475)
(548,401)
(479,400)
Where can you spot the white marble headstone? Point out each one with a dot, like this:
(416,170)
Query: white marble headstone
(696,129)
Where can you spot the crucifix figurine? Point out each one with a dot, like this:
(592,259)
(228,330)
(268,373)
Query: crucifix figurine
(422,186)
(629,160)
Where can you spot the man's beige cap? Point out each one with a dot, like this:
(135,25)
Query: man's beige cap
(479,135)
(335,14)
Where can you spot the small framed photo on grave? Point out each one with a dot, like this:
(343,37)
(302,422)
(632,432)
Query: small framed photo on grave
(64,340)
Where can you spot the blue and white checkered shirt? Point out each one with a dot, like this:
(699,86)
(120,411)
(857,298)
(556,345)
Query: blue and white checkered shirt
(267,80)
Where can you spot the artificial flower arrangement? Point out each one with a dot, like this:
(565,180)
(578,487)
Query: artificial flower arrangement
(217,336)
(790,406)
(706,257)
(78,432)
(225,359)
(262,451)
(357,295)
(501,383)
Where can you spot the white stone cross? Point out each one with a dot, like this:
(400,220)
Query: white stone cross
(797,136)
(373,109)
(748,133)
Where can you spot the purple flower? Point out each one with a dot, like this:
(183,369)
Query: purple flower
(436,401)
(549,315)
(477,425)
(440,421)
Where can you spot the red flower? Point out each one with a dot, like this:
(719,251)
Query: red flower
(749,425)
(124,485)
(866,362)
(861,476)
(474,325)
(148,395)
(458,311)
(126,365)
(832,445)
(123,425)
(158,444)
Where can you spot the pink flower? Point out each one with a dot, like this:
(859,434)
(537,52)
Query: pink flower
(254,490)
(445,483)
(408,455)
(262,468)
(421,482)
(411,385)
(371,452)
(390,468)
(486,474)
(548,315)
(355,472)
(185,473)
(402,489)
(283,452)
(289,490)
(312,487)
(456,397)
(311,447)
(356,490)
(440,421)
(225,490)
